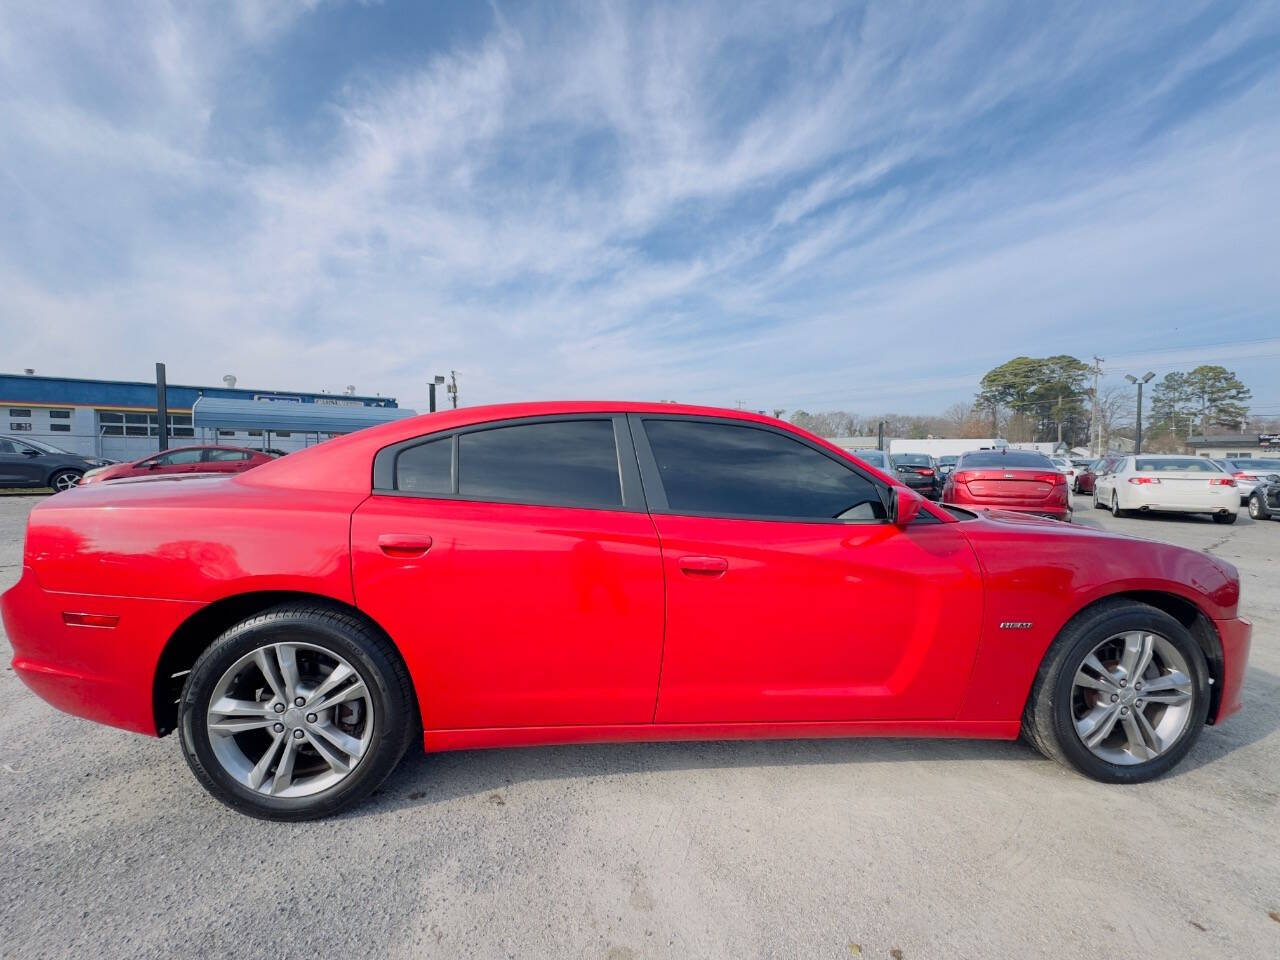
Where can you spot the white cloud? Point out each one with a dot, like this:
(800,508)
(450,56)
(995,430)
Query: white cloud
(648,201)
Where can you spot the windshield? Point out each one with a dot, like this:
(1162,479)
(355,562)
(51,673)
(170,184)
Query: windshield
(1182,464)
(912,459)
(1007,460)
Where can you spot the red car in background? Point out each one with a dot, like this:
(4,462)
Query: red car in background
(1086,475)
(583,572)
(1020,480)
(211,459)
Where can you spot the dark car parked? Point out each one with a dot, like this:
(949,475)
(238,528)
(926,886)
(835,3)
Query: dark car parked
(919,472)
(31,463)
(1264,499)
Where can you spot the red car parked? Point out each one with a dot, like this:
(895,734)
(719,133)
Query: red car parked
(212,459)
(1019,480)
(1086,476)
(581,572)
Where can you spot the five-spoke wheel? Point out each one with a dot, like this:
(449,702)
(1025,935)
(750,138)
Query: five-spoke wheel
(1122,693)
(296,713)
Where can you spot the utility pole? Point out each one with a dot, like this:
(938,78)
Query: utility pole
(453,388)
(1095,425)
(1059,421)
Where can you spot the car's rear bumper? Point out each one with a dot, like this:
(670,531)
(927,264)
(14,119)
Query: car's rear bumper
(1236,637)
(105,674)
(1050,510)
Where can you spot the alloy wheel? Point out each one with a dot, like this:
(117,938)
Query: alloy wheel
(1131,698)
(65,481)
(1254,508)
(290,719)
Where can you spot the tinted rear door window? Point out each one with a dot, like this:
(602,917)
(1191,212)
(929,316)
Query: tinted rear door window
(560,463)
(727,470)
(425,468)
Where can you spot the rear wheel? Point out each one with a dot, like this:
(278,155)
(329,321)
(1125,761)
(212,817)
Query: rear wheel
(1115,506)
(296,713)
(1225,517)
(65,479)
(1122,694)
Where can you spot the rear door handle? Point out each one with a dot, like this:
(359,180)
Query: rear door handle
(705,566)
(404,545)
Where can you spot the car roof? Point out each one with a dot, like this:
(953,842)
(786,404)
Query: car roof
(342,464)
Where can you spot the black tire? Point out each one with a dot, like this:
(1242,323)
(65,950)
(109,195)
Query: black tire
(1115,506)
(64,479)
(366,649)
(1047,722)
(1258,509)
(1097,504)
(1225,517)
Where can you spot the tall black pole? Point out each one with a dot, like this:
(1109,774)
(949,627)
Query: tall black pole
(162,408)
(431,396)
(1137,443)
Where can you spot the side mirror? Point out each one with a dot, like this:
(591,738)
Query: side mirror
(30,452)
(905,504)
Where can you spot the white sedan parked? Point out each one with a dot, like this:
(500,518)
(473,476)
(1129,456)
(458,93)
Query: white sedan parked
(1172,483)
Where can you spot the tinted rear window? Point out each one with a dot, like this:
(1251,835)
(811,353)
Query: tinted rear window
(1008,460)
(1253,466)
(562,463)
(912,459)
(876,458)
(1165,464)
(425,468)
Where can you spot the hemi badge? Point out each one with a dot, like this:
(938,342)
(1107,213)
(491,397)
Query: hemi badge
(90,619)
(1015,625)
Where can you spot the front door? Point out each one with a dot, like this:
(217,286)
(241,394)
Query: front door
(20,465)
(519,573)
(790,597)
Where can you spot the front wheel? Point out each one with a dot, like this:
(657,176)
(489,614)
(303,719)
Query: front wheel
(296,713)
(65,480)
(1225,517)
(1122,694)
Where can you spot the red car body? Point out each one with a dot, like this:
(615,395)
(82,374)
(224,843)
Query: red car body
(1042,492)
(529,624)
(205,459)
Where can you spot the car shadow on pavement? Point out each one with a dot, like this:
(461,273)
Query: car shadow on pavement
(434,778)
(423,779)
(1258,720)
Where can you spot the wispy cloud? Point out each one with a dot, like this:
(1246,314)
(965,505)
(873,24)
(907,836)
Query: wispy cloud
(822,205)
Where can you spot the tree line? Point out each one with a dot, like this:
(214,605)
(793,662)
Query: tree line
(1052,398)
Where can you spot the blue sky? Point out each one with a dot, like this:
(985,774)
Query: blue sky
(818,205)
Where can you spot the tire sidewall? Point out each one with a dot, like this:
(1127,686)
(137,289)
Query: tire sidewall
(53,478)
(1073,748)
(384,751)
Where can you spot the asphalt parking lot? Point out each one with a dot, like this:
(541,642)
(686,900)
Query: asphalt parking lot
(887,848)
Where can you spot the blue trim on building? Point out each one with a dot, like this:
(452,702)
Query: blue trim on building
(17,389)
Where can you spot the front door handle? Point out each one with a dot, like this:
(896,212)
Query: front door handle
(704,566)
(404,545)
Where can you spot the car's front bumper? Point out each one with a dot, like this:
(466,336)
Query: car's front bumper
(1236,638)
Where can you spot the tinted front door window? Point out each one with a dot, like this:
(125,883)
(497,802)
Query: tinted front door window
(562,463)
(732,471)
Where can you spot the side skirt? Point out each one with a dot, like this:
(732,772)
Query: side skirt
(476,739)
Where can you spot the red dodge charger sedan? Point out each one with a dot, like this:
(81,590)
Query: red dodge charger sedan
(573,572)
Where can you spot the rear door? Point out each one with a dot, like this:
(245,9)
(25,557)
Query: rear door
(519,572)
(790,597)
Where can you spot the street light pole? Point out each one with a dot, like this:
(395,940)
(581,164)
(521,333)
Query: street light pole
(431,392)
(1137,442)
